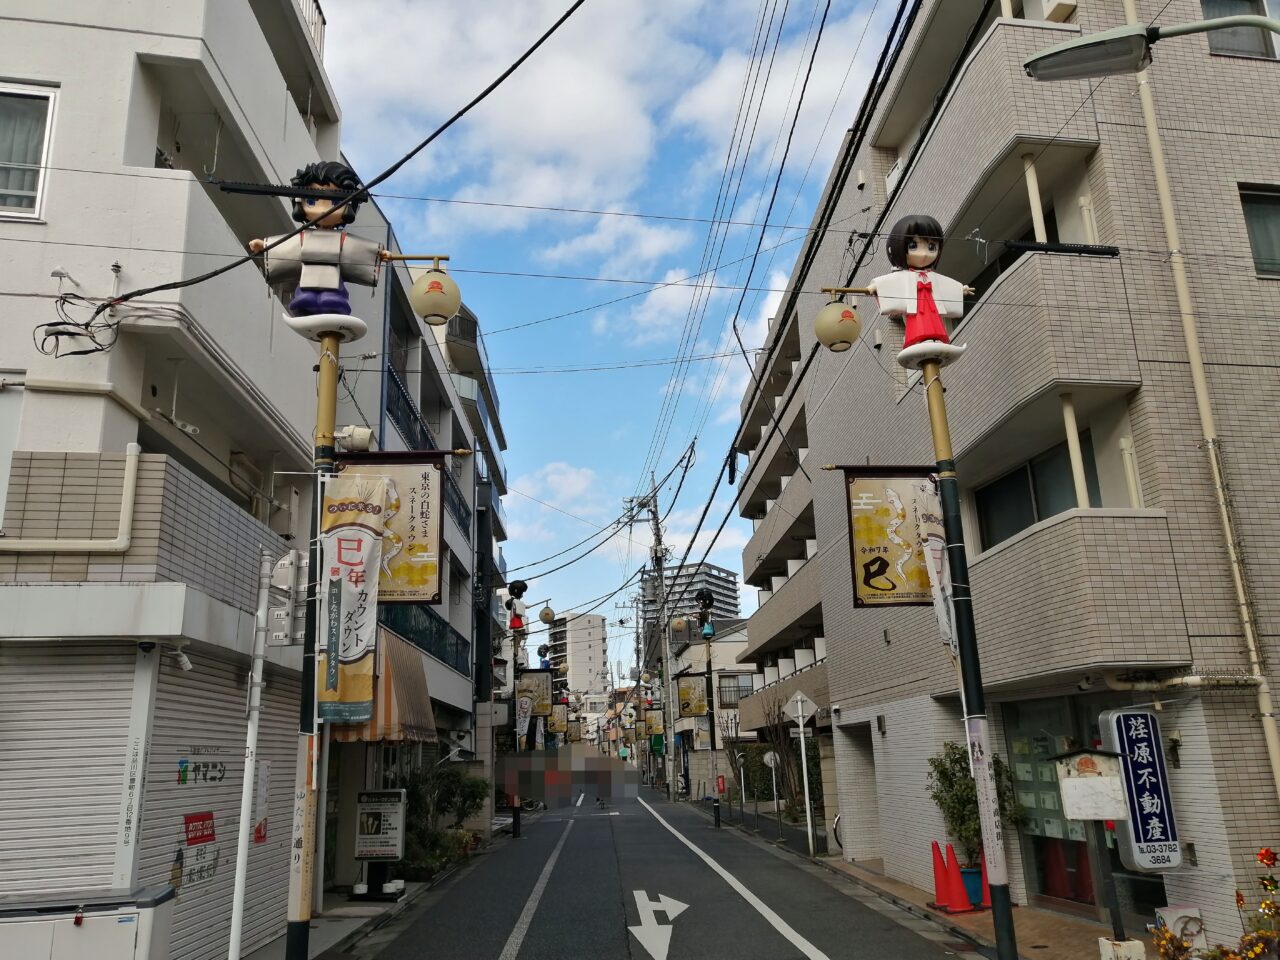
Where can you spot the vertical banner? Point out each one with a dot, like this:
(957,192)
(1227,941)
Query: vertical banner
(351,529)
(893,513)
(575,731)
(536,685)
(261,801)
(1148,840)
(558,722)
(692,693)
(653,722)
(524,708)
(409,569)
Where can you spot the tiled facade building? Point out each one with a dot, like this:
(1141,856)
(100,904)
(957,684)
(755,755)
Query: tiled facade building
(1076,603)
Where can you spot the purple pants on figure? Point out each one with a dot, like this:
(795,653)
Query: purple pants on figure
(307,302)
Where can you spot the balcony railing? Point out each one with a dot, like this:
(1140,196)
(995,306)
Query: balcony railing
(429,632)
(315,21)
(404,414)
(456,504)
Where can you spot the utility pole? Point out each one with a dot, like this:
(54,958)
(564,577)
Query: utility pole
(668,682)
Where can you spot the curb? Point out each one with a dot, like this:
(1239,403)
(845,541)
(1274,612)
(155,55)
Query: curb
(905,905)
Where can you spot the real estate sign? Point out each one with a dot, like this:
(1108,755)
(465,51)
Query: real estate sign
(1148,840)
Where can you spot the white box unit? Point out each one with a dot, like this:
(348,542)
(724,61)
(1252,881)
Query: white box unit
(1056,11)
(104,924)
(891,178)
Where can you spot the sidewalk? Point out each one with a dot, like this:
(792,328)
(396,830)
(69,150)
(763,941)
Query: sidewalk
(766,827)
(1042,934)
(341,919)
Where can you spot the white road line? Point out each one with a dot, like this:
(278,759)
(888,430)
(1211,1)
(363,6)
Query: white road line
(580,797)
(519,931)
(799,942)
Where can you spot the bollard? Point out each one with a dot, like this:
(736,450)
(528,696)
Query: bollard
(515,820)
(715,808)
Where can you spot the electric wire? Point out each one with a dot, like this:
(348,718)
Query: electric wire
(355,195)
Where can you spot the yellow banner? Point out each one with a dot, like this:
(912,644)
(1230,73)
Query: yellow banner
(559,719)
(411,559)
(892,515)
(536,685)
(653,722)
(692,692)
(351,529)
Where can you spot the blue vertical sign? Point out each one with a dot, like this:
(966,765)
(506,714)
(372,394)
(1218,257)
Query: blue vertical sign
(1149,839)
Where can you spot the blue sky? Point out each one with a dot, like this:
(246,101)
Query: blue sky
(629,108)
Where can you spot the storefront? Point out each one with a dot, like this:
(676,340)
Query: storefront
(1060,857)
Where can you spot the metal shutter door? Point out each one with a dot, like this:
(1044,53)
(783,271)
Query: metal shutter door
(200,720)
(64,717)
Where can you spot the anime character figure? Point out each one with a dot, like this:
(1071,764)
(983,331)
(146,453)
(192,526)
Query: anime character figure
(323,258)
(919,295)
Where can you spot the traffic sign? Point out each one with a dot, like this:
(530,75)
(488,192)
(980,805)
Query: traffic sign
(800,708)
(770,759)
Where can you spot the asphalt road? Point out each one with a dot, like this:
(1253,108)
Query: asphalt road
(579,878)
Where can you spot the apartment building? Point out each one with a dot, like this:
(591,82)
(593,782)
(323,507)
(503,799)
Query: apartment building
(578,653)
(682,585)
(141,482)
(1079,606)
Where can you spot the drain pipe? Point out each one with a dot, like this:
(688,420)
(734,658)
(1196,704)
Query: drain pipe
(1189,682)
(124,531)
(1209,429)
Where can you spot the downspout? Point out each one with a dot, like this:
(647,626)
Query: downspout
(1189,682)
(1209,429)
(124,531)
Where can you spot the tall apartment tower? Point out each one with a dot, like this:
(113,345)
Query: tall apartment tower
(579,646)
(682,585)
(1119,595)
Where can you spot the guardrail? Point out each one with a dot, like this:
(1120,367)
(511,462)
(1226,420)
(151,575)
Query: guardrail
(405,416)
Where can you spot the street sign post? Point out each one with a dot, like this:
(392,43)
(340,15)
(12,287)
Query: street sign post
(800,708)
(1148,839)
(771,761)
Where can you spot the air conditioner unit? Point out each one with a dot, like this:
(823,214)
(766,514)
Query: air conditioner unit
(1056,11)
(891,178)
(1186,923)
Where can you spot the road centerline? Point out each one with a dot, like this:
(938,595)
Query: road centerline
(800,943)
(521,929)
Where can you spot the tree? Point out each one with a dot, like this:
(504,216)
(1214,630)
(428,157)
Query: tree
(952,788)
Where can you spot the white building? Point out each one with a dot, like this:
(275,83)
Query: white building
(578,651)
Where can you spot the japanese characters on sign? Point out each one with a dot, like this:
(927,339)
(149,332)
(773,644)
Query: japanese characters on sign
(536,685)
(524,707)
(409,571)
(653,722)
(1148,840)
(692,693)
(893,511)
(380,825)
(575,731)
(351,529)
(558,722)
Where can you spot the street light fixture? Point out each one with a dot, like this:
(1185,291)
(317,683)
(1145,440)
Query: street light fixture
(1125,49)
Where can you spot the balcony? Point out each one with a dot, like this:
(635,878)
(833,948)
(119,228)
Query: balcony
(991,110)
(404,416)
(772,542)
(773,460)
(455,504)
(485,425)
(774,376)
(466,349)
(811,681)
(429,632)
(793,612)
(184,531)
(1081,592)
(1050,322)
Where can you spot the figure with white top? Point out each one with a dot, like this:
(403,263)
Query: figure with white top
(916,293)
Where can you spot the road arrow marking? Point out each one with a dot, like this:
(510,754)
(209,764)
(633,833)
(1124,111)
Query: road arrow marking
(655,937)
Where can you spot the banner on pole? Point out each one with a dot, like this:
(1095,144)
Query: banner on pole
(692,692)
(524,708)
(558,722)
(575,731)
(409,571)
(653,723)
(536,685)
(351,530)
(893,513)
(702,733)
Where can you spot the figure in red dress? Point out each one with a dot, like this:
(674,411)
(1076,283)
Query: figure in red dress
(919,295)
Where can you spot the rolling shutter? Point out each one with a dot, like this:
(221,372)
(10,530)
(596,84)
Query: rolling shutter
(64,716)
(192,810)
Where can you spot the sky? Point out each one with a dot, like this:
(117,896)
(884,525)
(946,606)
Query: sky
(630,108)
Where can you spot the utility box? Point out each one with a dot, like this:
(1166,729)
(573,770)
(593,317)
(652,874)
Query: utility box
(129,924)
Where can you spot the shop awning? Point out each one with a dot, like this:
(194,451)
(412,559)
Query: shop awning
(401,705)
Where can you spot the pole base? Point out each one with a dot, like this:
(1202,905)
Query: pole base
(297,937)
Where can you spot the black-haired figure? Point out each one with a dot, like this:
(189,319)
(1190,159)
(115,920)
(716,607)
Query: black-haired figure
(323,258)
(918,294)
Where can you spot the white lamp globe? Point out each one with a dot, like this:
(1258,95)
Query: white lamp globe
(435,297)
(679,624)
(837,326)
(546,615)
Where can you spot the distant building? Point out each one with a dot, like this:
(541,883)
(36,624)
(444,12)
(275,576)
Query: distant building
(682,585)
(578,645)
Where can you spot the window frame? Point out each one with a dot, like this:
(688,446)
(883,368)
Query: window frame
(50,95)
(1272,40)
(1272,194)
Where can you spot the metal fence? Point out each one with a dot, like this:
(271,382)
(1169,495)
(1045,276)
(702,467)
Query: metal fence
(428,631)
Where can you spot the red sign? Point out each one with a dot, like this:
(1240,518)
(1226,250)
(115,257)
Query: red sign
(199,827)
(719,788)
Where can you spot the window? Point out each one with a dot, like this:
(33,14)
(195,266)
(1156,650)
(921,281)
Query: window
(732,689)
(1238,41)
(25,116)
(1036,490)
(1262,218)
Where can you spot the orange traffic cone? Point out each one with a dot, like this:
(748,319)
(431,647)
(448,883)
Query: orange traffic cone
(939,879)
(957,895)
(986,889)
